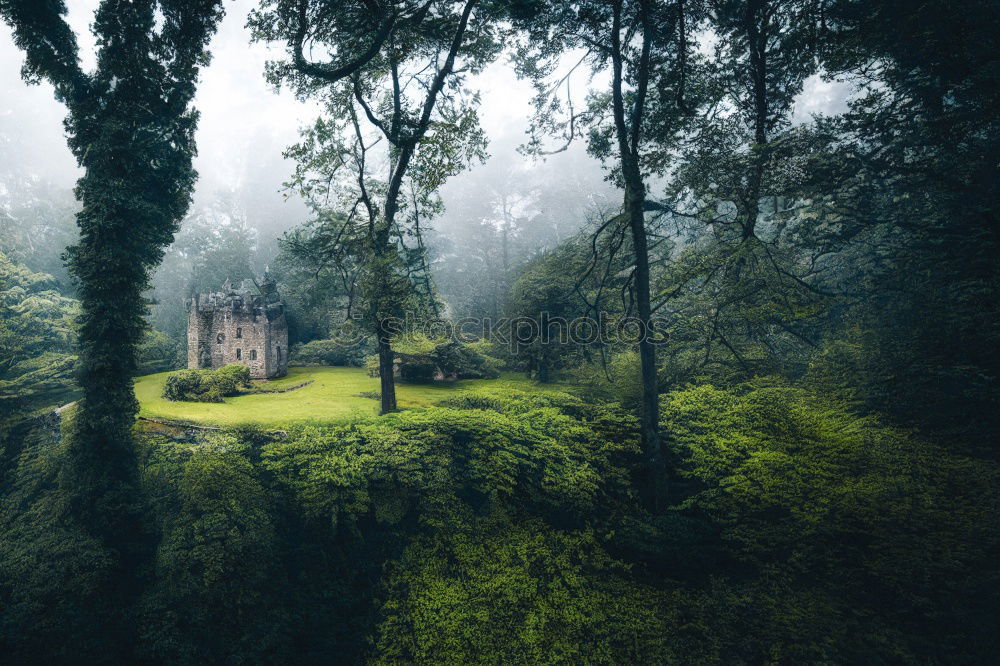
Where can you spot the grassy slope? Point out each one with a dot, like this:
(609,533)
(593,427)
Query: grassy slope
(332,396)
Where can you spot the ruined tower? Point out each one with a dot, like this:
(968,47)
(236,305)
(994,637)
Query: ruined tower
(244,324)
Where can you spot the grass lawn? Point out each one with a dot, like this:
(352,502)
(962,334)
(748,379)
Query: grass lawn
(332,396)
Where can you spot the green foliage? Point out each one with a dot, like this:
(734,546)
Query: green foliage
(417,369)
(37,336)
(207,385)
(317,297)
(489,351)
(904,189)
(52,571)
(420,465)
(421,359)
(465,362)
(329,352)
(740,308)
(184,385)
(415,344)
(216,574)
(416,357)
(230,378)
(545,291)
(851,535)
(157,353)
(504,526)
(617,379)
(523,593)
(515,402)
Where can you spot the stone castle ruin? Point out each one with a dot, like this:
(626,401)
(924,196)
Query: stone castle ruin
(244,324)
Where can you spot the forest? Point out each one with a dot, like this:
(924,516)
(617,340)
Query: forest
(499,332)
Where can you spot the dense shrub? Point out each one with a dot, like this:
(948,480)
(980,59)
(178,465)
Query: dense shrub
(421,359)
(465,362)
(800,532)
(184,385)
(421,463)
(417,369)
(848,538)
(330,352)
(514,402)
(206,385)
(230,378)
(490,351)
(415,357)
(216,564)
(520,594)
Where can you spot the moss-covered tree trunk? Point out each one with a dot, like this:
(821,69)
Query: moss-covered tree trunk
(131,129)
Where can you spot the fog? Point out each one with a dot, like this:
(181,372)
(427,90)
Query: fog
(245,125)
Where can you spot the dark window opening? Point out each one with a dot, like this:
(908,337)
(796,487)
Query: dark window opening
(253,354)
(279,355)
(220,337)
(239,354)
(239,332)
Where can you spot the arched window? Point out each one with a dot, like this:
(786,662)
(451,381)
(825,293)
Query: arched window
(279,355)
(220,337)
(239,333)
(239,354)
(253,354)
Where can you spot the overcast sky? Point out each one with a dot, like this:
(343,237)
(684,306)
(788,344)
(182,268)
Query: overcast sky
(241,116)
(243,121)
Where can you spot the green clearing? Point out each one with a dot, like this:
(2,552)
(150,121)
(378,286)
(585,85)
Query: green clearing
(333,396)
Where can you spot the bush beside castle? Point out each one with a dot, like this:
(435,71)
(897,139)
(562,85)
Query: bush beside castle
(206,385)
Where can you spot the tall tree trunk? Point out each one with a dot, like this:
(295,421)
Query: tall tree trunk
(505,271)
(628,130)
(757,27)
(635,197)
(386,367)
(381,313)
(543,368)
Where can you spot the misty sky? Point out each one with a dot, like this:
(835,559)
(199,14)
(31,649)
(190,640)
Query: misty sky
(243,121)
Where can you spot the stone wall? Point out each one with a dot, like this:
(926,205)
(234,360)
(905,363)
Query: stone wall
(239,326)
(199,338)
